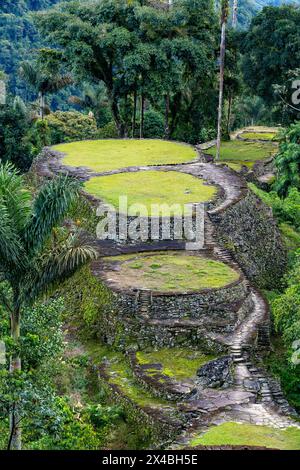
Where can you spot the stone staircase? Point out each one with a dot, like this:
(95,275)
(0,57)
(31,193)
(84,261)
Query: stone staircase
(144,303)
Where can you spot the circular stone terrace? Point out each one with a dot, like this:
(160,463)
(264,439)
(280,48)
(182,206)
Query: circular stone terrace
(173,272)
(140,170)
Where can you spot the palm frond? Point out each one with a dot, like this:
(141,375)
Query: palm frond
(49,208)
(59,266)
(14,196)
(30,74)
(11,250)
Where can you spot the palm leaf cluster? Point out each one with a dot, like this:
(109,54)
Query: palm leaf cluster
(43,81)
(34,254)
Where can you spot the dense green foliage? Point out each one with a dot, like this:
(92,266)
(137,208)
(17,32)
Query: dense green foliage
(271,50)
(145,51)
(69,126)
(15,146)
(288,160)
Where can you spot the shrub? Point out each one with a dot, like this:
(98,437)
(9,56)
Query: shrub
(285,209)
(39,136)
(14,144)
(288,160)
(108,132)
(153,125)
(42,337)
(68,126)
(286,307)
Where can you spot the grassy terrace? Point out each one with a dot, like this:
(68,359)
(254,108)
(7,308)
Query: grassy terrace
(259,135)
(179,364)
(250,435)
(237,152)
(112,154)
(151,187)
(120,374)
(172,271)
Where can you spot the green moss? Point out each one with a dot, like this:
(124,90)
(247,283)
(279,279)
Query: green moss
(259,135)
(120,374)
(178,363)
(106,155)
(244,153)
(146,188)
(87,300)
(250,435)
(174,271)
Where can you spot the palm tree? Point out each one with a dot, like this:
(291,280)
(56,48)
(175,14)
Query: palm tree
(224,17)
(43,82)
(34,255)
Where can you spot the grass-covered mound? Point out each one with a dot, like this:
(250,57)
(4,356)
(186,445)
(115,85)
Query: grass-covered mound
(259,135)
(112,154)
(151,187)
(250,435)
(171,271)
(238,152)
(177,363)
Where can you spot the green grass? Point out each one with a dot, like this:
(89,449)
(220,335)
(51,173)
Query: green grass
(150,187)
(250,435)
(177,363)
(120,374)
(105,155)
(172,271)
(259,135)
(243,153)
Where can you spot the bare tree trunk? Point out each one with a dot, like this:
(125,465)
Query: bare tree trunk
(116,114)
(167,110)
(234,14)
(224,16)
(142,116)
(134,113)
(15,442)
(230,100)
(42,105)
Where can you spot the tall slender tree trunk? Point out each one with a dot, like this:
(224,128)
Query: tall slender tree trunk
(230,100)
(42,104)
(224,16)
(167,111)
(15,441)
(234,14)
(134,113)
(142,116)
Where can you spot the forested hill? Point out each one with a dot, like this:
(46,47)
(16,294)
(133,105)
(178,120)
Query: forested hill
(249,8)
(19,39)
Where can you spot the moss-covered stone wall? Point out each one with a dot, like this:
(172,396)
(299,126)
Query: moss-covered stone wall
(249,231)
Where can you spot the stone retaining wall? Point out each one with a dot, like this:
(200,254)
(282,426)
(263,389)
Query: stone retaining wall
(249,231)
(222,303)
